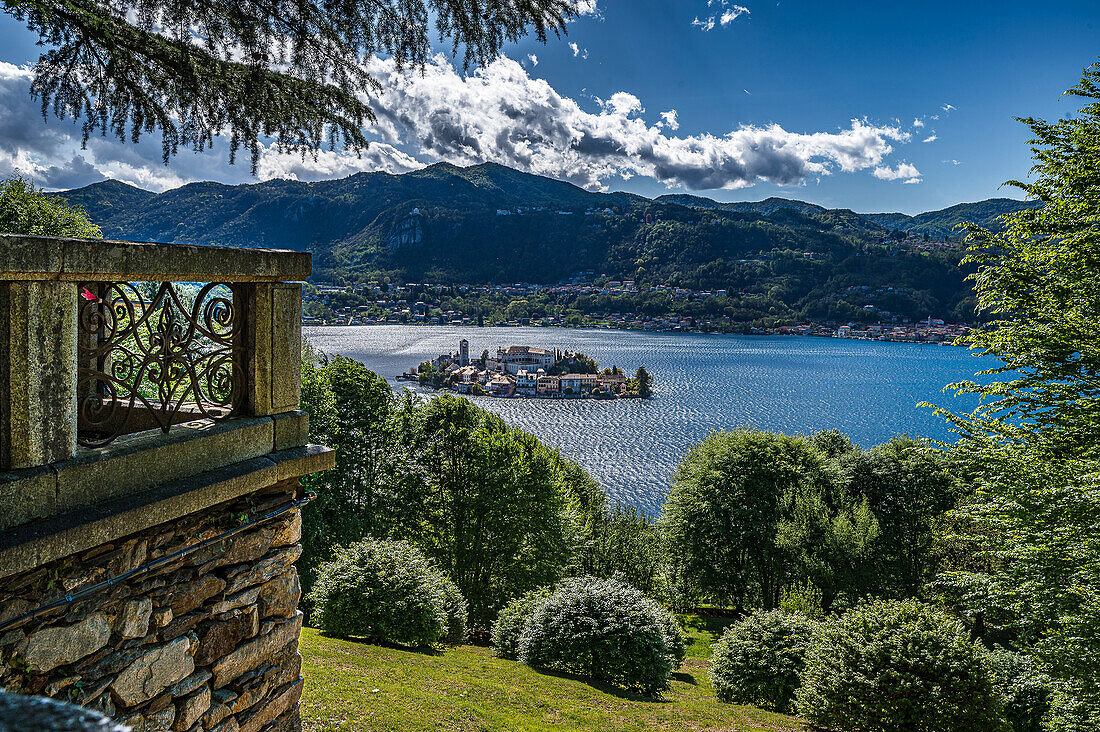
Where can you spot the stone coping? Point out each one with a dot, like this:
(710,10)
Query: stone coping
(107,260)
(141,460)
(33,544)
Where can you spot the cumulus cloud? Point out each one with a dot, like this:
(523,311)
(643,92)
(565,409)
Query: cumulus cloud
(578,51)
(533,59)
(670,120)
(918,122)
(931,138)
(498,113)
(905,172)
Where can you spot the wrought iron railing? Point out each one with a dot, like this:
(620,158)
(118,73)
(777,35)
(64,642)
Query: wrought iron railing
(153,354)
(104,338)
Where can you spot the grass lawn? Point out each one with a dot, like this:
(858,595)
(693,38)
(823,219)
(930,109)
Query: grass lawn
(355,686)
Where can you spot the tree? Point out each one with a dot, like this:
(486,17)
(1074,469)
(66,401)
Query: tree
(365,494)
(723,513)
(909,486)
(644,382)
(627,546)
(26,210)
(496,513)
(1039,282)
(1033,446)
(293,72)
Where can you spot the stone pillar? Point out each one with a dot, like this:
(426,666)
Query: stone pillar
(38,321)
(273,347)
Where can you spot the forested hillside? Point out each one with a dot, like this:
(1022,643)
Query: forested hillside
(489,224)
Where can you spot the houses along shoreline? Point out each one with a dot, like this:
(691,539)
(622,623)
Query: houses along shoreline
(526,371)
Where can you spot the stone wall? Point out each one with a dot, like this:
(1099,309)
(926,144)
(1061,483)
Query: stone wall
(207,641)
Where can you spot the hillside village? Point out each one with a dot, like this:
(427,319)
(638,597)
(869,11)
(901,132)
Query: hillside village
(423,304)
(526,371)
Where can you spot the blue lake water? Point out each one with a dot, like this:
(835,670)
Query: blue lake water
(867,389)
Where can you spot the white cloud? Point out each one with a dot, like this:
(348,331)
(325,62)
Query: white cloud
(498,113)
(918,122)
(704,25)
(578,51)
(533,59)
(731,14)
(931,138)
(905,172)
(948,107)
(587,7)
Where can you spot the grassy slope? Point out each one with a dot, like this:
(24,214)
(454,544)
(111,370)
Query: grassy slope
(354,686)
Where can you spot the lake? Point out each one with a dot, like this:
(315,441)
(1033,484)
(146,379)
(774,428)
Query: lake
(796,384)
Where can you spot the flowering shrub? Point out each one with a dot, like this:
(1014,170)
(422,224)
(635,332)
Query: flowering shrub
(892,665)
(601,629)
(386,591)
(758,660)
(511,621)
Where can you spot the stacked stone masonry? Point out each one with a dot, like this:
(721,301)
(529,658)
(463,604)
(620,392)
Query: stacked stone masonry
(207,642)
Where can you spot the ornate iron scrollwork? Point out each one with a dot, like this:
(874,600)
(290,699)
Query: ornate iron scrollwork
(151,356)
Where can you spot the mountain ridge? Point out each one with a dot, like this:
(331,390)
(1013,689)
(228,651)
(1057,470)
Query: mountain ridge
(111,195)
(490,224)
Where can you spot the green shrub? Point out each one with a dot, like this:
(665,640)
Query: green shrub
(674,633)
(601,629)
(382,591)
(759,658)
(1022,687)
(511,621)
(892,665)
(457,613)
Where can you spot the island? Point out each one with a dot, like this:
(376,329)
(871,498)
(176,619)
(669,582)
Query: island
(526,371)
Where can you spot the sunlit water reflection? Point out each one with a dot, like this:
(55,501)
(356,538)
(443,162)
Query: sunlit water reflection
(868,390)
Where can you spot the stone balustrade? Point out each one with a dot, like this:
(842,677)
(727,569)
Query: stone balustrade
(150,448)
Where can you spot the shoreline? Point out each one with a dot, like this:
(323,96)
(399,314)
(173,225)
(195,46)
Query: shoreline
(689,332)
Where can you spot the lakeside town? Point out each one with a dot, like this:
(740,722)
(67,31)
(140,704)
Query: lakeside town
(526,371)
(425,304)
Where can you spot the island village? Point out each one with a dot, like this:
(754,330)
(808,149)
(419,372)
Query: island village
(526,371)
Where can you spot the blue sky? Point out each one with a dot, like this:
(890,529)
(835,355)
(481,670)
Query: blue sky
(790,75)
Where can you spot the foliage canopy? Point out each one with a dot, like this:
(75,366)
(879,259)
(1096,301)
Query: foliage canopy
(26,210)
(293,71)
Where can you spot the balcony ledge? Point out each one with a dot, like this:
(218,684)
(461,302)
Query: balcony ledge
(75,260)
(35,543)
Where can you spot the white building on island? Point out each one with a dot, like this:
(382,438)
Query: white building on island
(530,358)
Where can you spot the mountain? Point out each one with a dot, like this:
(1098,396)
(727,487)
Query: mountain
(767,207)
(940,223)
(481,223)
(986,214)
(489,224)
